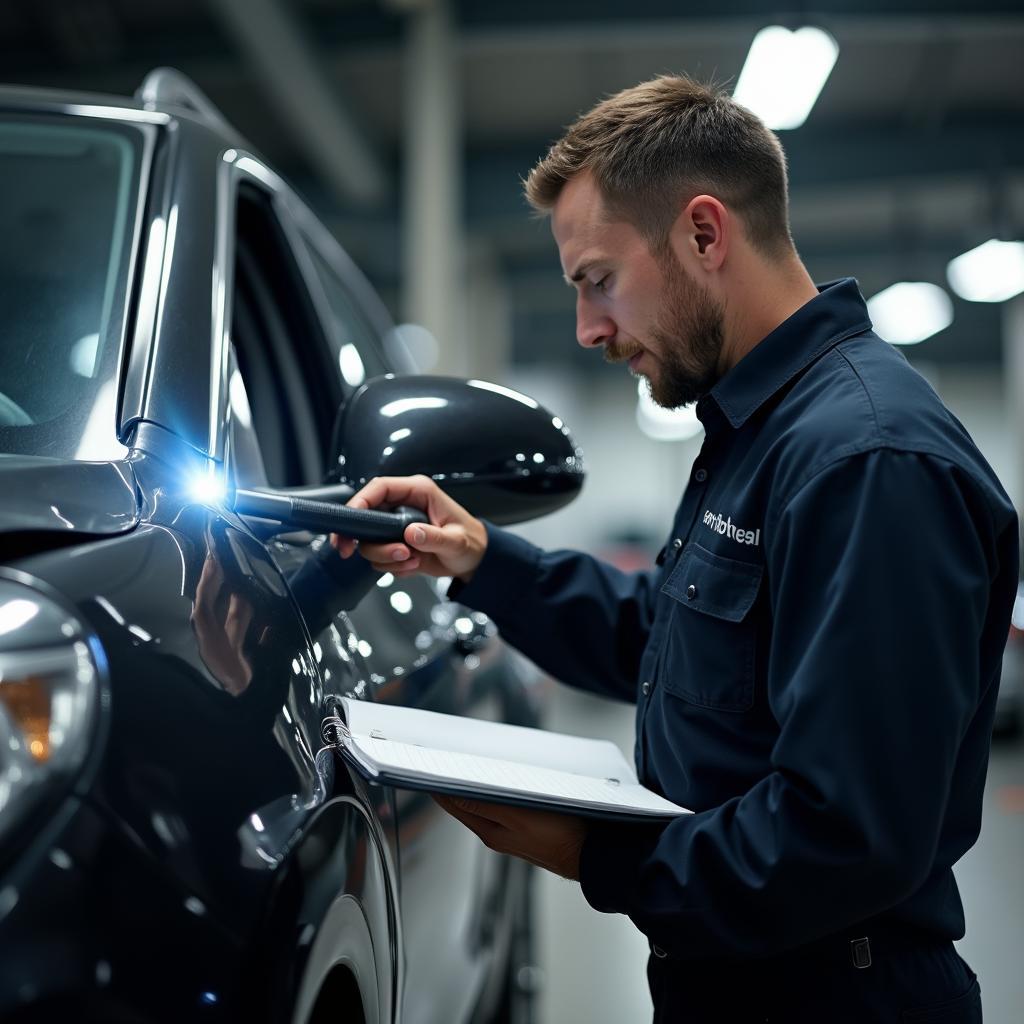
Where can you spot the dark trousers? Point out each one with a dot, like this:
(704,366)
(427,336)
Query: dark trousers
(925,984)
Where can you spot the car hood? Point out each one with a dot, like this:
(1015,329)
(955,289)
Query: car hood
(38,494)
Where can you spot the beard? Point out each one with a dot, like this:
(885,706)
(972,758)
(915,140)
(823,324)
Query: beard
(688,336)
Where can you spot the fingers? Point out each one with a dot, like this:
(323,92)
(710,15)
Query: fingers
(437,540)
(236,622)
(452,543)
(396,490)
(419,491)
(488,831)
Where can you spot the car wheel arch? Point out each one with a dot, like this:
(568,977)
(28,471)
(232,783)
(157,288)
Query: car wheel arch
(359,933)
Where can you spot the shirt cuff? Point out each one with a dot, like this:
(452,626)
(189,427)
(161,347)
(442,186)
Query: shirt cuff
(610,863)
(507,571)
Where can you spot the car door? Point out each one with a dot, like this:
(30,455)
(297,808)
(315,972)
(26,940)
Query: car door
(412,646)
(426,652)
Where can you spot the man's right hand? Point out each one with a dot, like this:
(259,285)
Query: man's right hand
(453,544)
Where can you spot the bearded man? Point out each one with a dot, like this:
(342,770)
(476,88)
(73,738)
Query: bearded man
(815,655)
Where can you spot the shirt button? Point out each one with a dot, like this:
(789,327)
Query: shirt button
(646,688)
(691,592)
(700,476)
(677,544)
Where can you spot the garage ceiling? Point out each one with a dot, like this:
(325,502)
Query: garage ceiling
(913,153)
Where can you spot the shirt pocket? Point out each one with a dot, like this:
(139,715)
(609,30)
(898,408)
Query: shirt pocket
(708,654)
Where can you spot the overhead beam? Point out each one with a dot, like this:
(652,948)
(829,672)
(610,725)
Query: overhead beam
(858,153)
(330,138)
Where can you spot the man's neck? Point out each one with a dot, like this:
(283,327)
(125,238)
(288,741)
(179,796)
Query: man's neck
(766,298)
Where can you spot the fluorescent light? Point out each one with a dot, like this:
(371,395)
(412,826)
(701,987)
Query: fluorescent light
(665,424)
(910,311)
(784,73)
(992,272)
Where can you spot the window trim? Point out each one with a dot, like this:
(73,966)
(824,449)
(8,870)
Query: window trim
(241,169)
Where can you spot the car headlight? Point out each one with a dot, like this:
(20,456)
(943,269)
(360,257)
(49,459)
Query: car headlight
(48,695)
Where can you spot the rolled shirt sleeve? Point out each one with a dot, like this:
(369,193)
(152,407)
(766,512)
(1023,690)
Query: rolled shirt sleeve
(881,570)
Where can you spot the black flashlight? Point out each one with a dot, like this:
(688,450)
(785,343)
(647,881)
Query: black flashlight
(299,513)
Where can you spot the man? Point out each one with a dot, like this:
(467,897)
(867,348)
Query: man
(815,657)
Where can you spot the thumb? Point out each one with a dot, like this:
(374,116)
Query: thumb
(424,537)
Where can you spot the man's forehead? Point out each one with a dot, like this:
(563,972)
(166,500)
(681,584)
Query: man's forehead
(586,234)
(578,209)
(579,223)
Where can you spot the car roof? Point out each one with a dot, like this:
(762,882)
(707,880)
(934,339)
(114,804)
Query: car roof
(165,93)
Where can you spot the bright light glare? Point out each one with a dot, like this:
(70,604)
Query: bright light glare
(400,406)
(910,311)
(401,602)
(14,614)
(485,385)
(784,73)
(208,489)
(992,272)
(351,364)
(239,400)
(665,424)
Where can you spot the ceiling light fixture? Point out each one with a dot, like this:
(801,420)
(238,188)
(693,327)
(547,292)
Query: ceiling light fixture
(910,311)
(991,272)
(784,73)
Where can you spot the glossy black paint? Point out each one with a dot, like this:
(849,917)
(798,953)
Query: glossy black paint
(497,452)
(211,860)
(76,497)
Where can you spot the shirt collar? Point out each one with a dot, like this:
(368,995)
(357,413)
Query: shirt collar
(836,313)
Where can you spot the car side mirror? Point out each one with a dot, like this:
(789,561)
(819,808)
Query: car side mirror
(498,453)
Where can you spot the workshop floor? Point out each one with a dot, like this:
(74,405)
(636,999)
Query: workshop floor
(593,964)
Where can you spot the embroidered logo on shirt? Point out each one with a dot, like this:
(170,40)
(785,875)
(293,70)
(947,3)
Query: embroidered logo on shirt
(725,527)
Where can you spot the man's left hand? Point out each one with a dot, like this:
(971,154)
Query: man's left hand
(550,840)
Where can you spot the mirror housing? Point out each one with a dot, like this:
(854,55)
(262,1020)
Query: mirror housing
(498,453)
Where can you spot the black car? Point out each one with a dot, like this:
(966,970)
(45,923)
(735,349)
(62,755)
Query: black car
(178,842)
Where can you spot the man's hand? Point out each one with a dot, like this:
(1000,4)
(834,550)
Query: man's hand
(548,839)
(453,544)
(220,627)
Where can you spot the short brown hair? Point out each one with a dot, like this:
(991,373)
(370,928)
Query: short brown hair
(655,146)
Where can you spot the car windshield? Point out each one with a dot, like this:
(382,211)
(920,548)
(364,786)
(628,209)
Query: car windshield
(68,196)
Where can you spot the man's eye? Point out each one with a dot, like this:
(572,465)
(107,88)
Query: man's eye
(602,284)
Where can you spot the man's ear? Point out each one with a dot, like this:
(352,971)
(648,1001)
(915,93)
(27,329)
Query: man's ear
(701,233)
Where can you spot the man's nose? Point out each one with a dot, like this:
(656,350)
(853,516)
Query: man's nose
(593,327)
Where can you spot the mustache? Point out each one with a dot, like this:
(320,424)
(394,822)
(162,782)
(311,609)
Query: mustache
(616,353)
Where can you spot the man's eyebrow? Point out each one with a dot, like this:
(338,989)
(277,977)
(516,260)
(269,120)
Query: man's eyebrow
(581,272)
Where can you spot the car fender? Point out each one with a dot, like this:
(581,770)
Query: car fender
(343,852)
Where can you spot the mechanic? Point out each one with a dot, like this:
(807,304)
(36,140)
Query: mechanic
(815,656)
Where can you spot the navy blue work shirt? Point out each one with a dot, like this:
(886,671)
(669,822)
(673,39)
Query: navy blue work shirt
(814,663)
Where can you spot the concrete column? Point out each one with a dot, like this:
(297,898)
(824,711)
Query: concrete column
(432,172)
(488,315)
(1013,376)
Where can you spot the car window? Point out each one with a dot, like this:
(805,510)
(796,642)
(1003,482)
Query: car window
(352,339)
(286,374)
(68,198)
(246,458)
